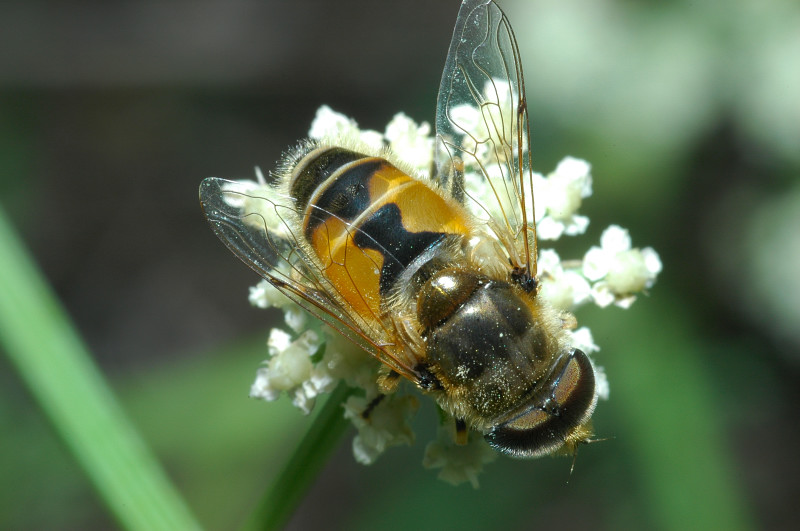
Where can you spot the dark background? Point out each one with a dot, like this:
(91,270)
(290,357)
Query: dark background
(112,113)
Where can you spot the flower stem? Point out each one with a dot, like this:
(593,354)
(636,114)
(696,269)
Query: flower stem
(288,488)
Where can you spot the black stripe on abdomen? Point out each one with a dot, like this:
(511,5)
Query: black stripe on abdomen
(315,168)
(345,196)
(383,231)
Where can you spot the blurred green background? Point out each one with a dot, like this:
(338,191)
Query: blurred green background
(689,112)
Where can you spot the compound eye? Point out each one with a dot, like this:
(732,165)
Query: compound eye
(556,415)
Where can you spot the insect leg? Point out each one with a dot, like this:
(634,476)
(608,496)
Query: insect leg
(371,406)
(461,432)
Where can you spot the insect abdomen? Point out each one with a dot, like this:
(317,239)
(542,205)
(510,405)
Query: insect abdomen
(366,221)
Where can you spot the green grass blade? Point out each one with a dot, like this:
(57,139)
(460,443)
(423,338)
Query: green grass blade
(50,357)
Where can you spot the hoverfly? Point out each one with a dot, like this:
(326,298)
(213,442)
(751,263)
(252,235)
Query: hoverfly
(435,277)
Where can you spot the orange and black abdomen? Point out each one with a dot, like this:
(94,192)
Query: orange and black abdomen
(366,221)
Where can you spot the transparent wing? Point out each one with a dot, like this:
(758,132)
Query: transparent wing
(256,224)
(482,155)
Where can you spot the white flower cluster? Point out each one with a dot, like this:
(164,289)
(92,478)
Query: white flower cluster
(458,463)
(313,358)
(614,273)
(411,142)
(387,425)
(618,270)
(558,198)
(291,369)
